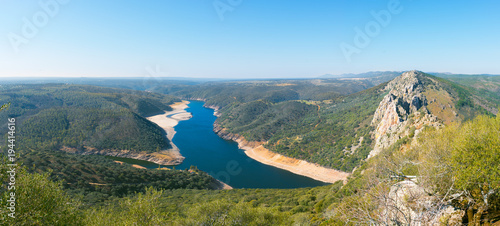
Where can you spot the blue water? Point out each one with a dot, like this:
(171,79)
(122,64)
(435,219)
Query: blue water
(223,159)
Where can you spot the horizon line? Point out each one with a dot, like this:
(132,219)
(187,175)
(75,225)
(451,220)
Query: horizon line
(324,76)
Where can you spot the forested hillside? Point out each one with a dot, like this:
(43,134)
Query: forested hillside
(55,115)
(487,82)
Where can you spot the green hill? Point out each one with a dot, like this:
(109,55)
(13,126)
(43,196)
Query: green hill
(55,115)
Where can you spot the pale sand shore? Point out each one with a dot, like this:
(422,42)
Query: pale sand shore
(257,152)
(169,120)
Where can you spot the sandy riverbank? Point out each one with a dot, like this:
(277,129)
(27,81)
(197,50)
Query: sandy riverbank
(256,151)
(296,166)
(168,121)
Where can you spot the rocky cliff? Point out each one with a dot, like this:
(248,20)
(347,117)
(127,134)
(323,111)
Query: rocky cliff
(403,111)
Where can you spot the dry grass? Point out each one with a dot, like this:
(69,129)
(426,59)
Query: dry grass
(441,104)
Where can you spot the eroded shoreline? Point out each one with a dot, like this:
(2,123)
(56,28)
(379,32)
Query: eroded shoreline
(258,152)
(168,121)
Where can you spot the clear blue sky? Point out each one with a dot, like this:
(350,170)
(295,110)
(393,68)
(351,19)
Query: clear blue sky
(257,39)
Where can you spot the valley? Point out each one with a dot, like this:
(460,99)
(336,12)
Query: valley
(329,145)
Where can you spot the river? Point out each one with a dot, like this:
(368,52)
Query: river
(222,158)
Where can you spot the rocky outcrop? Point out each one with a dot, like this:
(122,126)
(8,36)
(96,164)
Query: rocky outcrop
(408,204)
(162,158)
(402,111)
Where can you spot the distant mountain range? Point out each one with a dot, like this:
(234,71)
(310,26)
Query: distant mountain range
(372,74)
(369,74)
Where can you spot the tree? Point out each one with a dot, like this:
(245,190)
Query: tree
(39,201)
(222,212)
(460,162)
(475,162)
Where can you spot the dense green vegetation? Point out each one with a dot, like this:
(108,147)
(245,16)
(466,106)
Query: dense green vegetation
(49,117)
(330,141)
(54,115)
(39,201)
(98,178)
(322,132)
(261,120)
(97,128)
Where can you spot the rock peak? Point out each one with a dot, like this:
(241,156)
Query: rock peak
(404,101)
(407,82)
(414,72)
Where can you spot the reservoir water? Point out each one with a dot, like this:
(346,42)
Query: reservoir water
(222,158)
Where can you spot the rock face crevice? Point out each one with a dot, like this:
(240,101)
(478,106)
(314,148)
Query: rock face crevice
(401,109)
